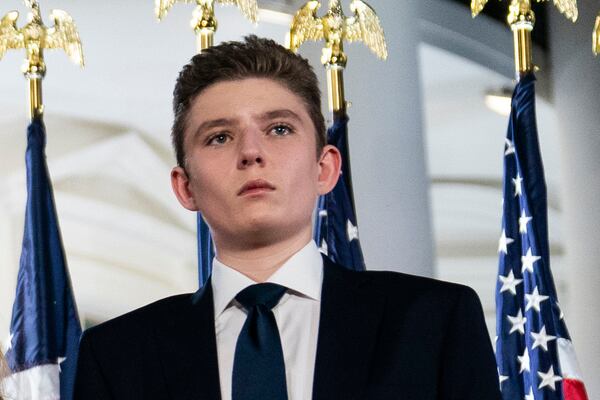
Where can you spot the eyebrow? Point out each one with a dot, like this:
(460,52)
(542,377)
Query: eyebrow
(283,113)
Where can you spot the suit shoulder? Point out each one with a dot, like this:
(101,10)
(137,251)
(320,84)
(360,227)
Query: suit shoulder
(140,319)
(401,287)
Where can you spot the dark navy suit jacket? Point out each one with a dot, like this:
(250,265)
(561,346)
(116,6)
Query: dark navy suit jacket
(382,335)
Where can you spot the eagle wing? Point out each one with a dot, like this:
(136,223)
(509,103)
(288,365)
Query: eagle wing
(248,7)
(305,25)
(596,36)
(64,35)
(10,37)
(477,6)
(162,7)
(568,8)
(365,26)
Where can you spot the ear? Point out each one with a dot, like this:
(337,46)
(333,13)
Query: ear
(181,187)
(330,165)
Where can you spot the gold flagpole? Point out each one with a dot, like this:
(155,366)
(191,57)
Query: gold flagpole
(35,37)
(335,28)
(203,20)
(521,19)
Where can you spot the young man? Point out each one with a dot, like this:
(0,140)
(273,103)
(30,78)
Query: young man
(277,320)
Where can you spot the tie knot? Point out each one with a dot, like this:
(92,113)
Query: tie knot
(266,294)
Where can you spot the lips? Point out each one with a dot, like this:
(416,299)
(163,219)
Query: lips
(256,185)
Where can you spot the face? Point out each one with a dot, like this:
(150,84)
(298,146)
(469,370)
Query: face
(250,162)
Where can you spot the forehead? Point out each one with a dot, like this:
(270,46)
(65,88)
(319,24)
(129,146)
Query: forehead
(243,98)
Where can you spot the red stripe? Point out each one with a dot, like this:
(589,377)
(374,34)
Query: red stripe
(574,390)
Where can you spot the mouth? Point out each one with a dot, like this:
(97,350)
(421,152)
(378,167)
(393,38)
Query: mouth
(256,186)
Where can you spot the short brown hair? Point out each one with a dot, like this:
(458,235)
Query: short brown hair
(253,58)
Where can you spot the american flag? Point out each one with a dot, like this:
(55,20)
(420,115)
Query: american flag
(45,328)
(534,353)
(336,230)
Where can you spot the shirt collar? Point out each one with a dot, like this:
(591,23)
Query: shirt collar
(302,273)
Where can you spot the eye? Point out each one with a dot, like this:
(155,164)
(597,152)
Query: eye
(281,130)
(218,139)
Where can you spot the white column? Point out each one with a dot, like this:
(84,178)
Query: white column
(391,183)
(576,82)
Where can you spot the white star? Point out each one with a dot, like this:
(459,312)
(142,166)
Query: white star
(524,361)
(509,283)
(60,361)
(322,213)
(534,299)
(8,344)
(549,379)
(501,378)
(510,147)
(562,315)
(352,231)
(527,261)
(504,242)
(523,221)
(517,182)
(529,396)
(323,249)
(541,339)
(518,323)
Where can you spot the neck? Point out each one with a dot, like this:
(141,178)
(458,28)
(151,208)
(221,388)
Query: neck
(260,262)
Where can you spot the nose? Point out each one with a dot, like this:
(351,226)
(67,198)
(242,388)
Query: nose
(251,150)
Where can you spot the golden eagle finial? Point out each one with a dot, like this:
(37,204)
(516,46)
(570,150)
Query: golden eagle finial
(34,37)
(334,27)
(203,21)
(567,7)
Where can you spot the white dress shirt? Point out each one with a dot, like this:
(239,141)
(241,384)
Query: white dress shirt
(297,316)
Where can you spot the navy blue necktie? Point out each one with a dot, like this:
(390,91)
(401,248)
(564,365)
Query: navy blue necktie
(258,366)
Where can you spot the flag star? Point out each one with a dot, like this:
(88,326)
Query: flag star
(527,261)
(549,379)
(529,396)
(323,249)
(541,339)
(509,283)
(534,299)
(561,315)
(504,242)
(352,231)
(510,147)
(322,213)
(523,221)
(524,361)
(518,323)
(517,182)
(60,361)
(501,378)
(9,341)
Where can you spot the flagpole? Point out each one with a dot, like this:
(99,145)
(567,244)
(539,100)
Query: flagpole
(204,23)
(35,37)
(521,20)
(335,28)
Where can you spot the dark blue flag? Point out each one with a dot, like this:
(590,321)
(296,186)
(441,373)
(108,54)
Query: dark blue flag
(206,251)
(336,230)
(534,352)
(45,328)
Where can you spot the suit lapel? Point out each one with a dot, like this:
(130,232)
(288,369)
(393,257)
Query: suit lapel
(188,349)
(349,322)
